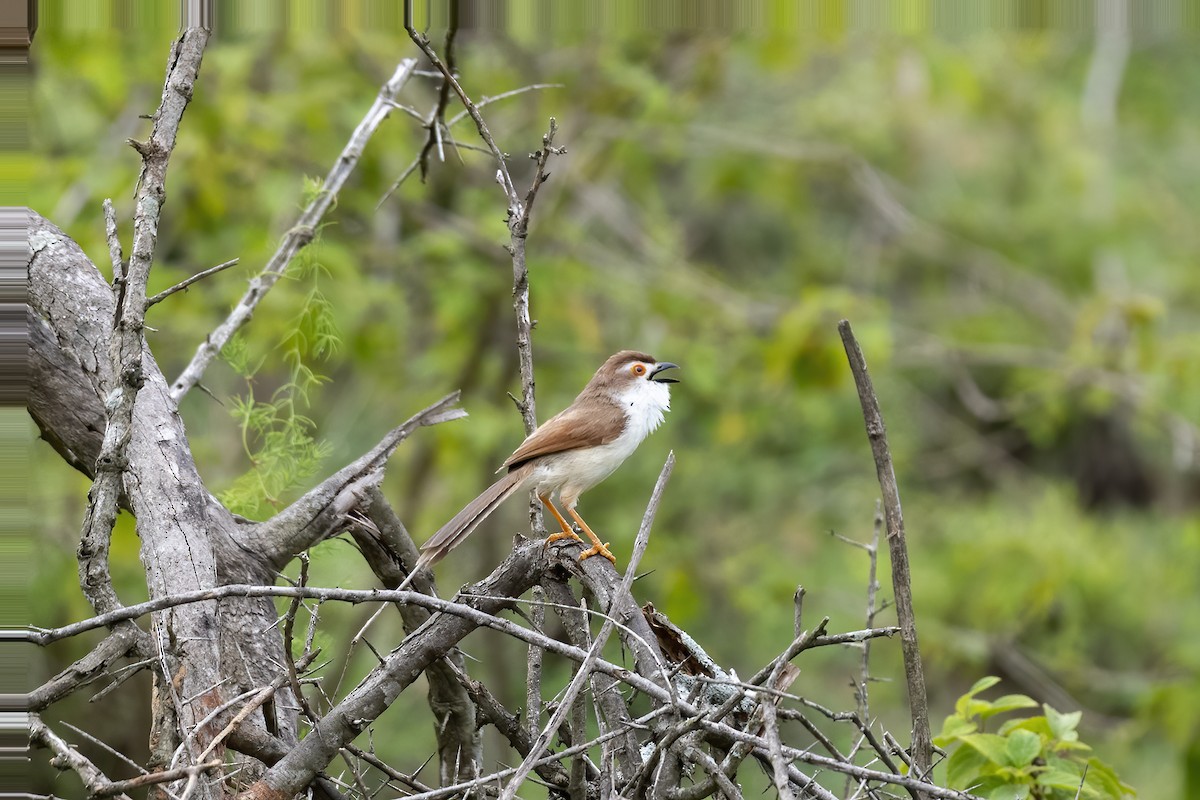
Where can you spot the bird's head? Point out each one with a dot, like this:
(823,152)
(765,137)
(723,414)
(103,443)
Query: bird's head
(629,368)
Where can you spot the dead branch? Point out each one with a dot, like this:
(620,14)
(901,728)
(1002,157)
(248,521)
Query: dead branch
(299,235)
(510,727)
(533,666)
(437,118)
(176,553)
(67,757)
(322,509)
(506,183)
(460,746)
(613,711)
(400,668)
(119,788)
(922,745)
(124,639)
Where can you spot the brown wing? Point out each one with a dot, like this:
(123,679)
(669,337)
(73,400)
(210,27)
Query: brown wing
(571,429)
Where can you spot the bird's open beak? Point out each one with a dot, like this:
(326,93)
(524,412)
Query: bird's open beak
(656,373)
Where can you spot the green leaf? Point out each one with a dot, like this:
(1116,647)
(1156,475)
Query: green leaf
(964,766)
(1059,778)
(1012,791)
(980,685)
(954,727)
(1063,726)
(1023,746)
(993,747)
(1104,780)
(1037,725)
(1009,702)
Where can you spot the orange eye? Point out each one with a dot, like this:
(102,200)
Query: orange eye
(639,369)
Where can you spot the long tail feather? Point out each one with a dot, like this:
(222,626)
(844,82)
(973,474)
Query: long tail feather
(464,522)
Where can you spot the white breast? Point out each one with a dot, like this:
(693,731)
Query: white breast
(572,473)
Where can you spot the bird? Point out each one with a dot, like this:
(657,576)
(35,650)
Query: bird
(623,403)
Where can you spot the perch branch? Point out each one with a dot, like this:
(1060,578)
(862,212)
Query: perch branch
(299,235)
(585,668)
(922,743)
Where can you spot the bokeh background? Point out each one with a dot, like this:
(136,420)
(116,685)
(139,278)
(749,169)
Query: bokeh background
(1003,202)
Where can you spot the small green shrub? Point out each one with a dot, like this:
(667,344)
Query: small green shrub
(1028,757)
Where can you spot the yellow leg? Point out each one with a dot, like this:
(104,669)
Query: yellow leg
(598,548)
(566,532)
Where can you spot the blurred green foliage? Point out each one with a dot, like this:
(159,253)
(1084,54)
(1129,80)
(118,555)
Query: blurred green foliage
(1024,284)
(1037,757)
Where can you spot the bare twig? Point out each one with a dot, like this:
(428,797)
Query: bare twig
(779,773)
(864,677)
(798,611)
(460,750)
(613,710)
(462,789)
(510,190)
(437,118)
(509,725)
(577,722)
(300,234)
(392,773)
(66,757)
(922,745)
(721,781)
(487,100)
(167,776)
(184,284)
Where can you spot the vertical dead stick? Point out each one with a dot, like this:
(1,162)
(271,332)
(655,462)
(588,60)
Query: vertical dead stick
(922,746)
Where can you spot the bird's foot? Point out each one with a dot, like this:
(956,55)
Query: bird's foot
(560,535)
(598,549)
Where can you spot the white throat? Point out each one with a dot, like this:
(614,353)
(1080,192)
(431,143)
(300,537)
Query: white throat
(644,403)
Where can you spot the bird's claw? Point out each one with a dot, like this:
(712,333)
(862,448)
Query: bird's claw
(560,535)
(598,550)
